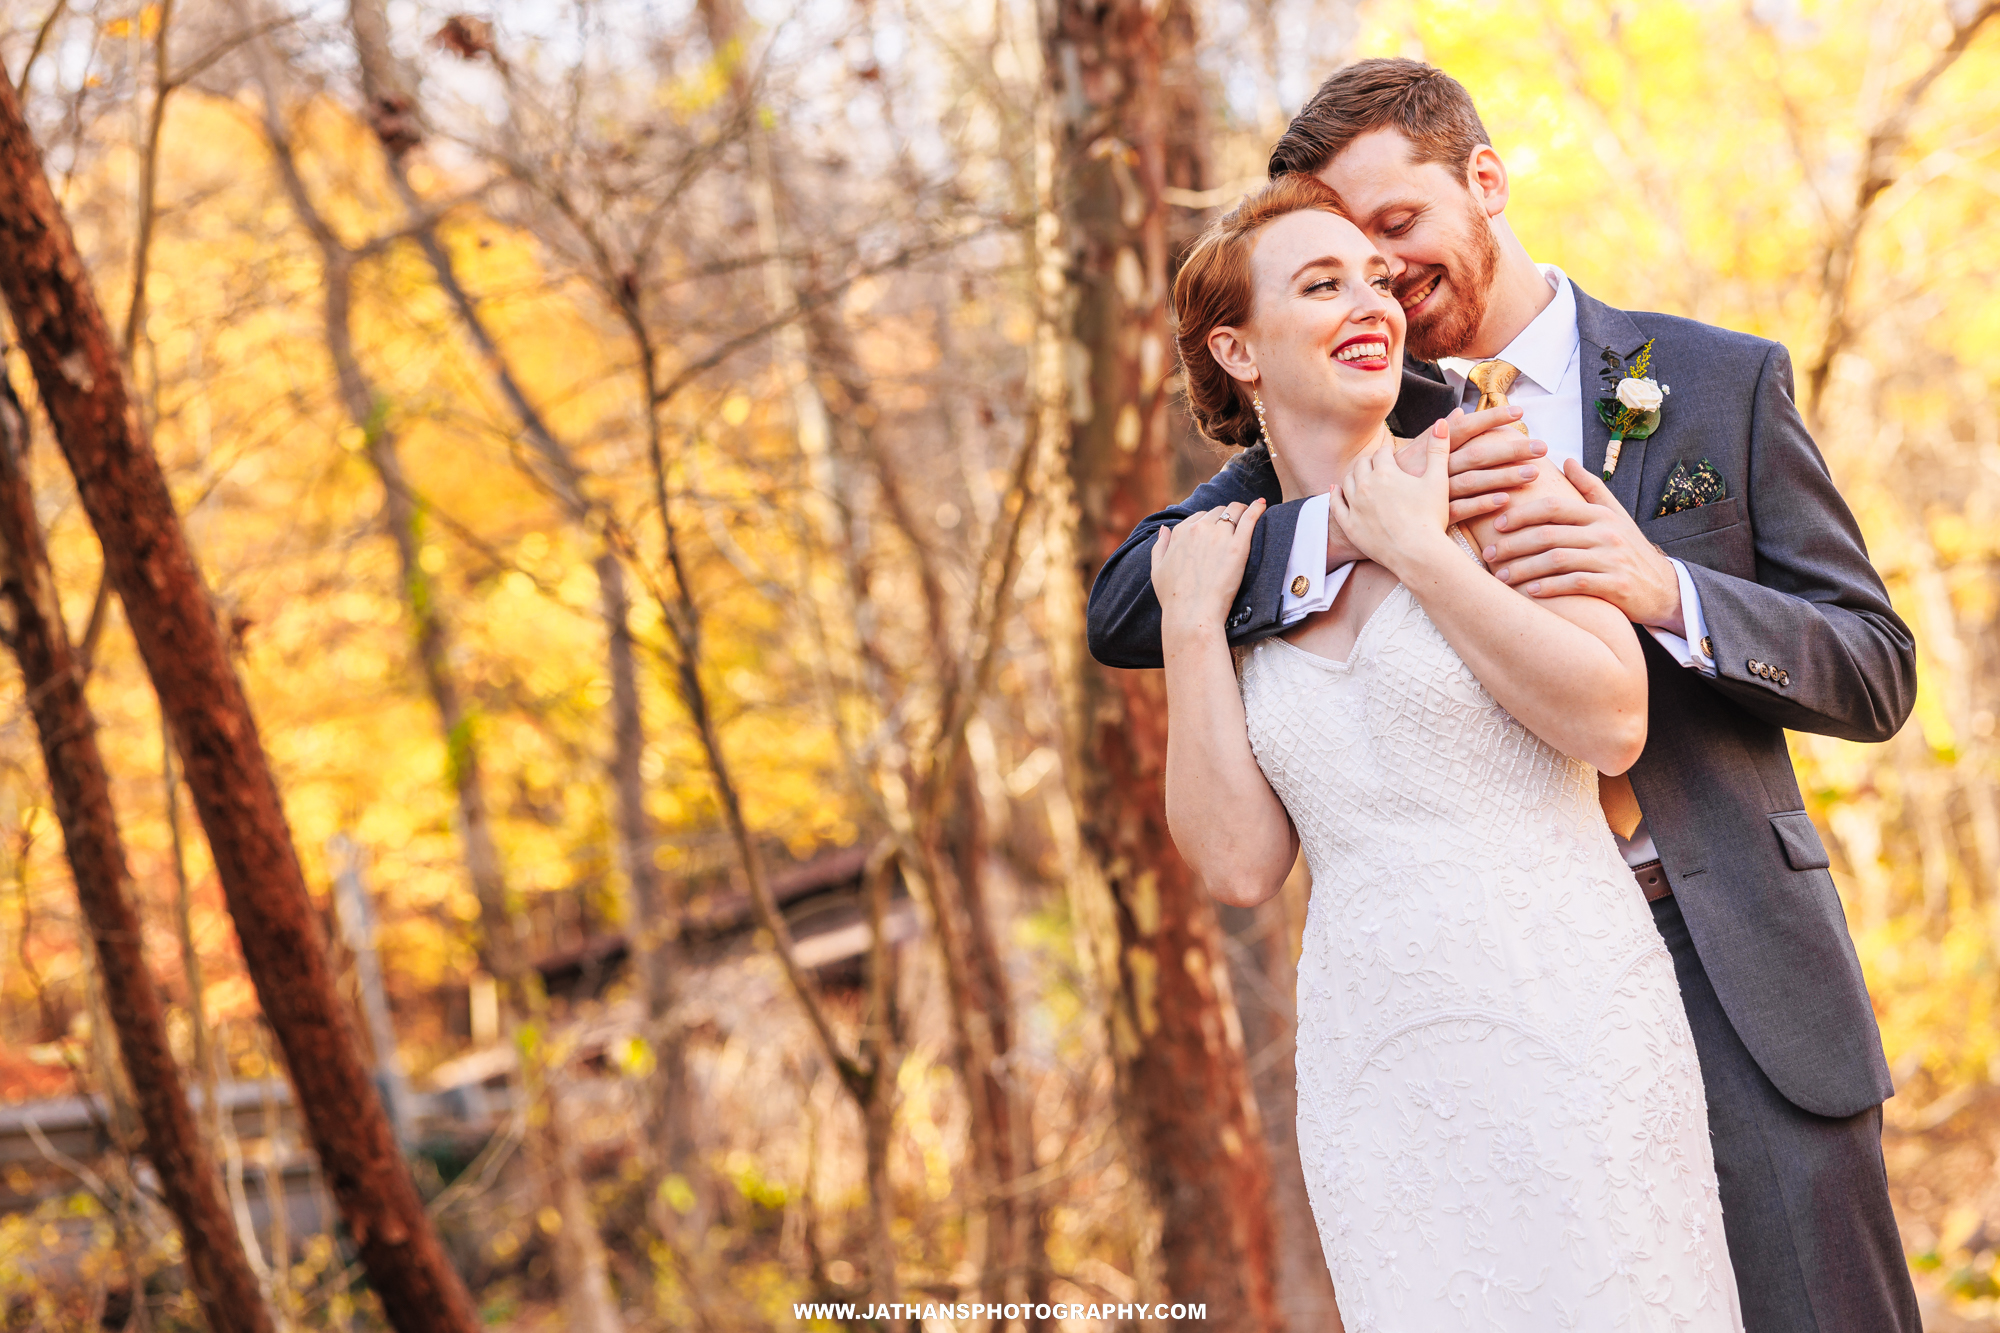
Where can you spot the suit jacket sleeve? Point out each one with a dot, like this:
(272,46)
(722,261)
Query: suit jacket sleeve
(1817,611)
(1124,615)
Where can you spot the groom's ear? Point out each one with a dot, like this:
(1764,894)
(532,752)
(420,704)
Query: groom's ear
(1226,345)
(1486,180)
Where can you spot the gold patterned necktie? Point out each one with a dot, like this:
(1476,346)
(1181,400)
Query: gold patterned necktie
(1621,806)
(1493,379)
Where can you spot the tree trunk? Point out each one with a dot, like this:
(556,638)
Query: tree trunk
(579,1259)
(1184,1093)
(503,941)
(653,925)
(355,913)
(80,373)
(1003,1145)
(868,1076)
(578,1251)
(1005,1226)
(81,789)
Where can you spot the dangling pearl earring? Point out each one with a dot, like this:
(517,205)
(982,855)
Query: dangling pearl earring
(1263,426)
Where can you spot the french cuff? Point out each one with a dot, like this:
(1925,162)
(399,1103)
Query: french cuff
(1309,585)
(1695,651)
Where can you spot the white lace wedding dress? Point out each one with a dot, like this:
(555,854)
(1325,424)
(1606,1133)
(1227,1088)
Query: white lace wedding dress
(1500,1110)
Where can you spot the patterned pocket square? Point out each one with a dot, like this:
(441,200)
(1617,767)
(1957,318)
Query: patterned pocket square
(1691,490)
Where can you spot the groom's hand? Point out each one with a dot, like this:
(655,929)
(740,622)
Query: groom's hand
(1588,544)
(1488,460)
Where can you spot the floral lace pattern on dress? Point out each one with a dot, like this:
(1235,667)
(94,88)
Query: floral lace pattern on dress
(1500,1110)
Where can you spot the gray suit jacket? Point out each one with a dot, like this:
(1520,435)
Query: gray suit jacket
(1784,581)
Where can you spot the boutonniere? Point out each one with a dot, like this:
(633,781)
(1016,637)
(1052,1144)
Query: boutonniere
(1632,412)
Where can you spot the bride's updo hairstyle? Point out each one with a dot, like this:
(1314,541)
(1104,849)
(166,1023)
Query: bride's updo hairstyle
(1215,288)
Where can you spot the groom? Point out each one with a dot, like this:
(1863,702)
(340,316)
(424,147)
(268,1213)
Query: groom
(1722,538)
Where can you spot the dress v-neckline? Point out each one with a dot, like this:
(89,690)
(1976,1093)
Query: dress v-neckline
(1354,649)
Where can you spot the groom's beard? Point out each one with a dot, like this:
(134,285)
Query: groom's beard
(1449,327)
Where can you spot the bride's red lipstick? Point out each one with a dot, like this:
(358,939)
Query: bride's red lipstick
(1365,362)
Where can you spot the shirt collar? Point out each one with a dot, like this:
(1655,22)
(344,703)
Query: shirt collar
(1542,352)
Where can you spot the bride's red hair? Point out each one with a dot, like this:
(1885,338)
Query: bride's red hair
(1214,288)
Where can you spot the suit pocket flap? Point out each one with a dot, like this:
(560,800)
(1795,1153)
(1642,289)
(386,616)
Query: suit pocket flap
(1803,849)
(1693,522)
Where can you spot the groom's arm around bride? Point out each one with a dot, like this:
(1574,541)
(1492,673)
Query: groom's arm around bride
(1800,627)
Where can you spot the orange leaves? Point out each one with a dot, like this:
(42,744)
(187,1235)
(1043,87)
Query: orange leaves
(147,24)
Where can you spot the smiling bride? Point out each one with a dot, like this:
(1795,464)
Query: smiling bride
(1500,1110)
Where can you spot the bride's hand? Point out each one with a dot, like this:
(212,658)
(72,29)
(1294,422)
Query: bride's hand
(1198,566)
(1394,518)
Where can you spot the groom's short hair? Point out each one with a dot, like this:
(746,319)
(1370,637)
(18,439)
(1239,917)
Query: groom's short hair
(1426,105)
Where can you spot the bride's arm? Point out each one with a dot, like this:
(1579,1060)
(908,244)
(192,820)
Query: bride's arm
(1226,821)
(1570,669)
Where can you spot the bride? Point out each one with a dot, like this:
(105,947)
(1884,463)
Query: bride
(1500,1111)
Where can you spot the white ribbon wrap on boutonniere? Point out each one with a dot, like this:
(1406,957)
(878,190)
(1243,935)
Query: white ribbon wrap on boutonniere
(1632,412)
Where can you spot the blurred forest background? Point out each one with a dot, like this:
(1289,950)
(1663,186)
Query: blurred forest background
(647,459)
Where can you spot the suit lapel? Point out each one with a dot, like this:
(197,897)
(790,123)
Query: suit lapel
(1425,398)
(1600,328)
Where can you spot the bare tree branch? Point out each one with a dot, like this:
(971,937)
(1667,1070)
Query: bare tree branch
(1878,172)
(41,39)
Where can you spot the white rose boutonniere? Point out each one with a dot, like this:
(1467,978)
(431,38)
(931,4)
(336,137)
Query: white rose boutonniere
(1641,395)
(1632,412)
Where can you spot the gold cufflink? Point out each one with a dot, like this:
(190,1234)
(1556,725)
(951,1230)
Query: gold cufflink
(1707,648)
(1300,584)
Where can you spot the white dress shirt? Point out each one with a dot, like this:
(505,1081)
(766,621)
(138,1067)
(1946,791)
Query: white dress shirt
(1549,392)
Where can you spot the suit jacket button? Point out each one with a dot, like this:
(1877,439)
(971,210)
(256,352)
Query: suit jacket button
(1751,664)
(1784,678)
(1300,584)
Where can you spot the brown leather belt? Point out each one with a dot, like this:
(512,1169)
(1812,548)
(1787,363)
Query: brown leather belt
(1652,881)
